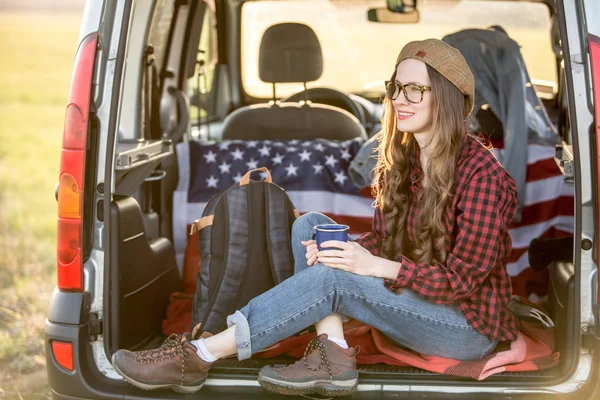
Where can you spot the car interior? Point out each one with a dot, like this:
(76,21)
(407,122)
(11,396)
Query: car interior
(213,72)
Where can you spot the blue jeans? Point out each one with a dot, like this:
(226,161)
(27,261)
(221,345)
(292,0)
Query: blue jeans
(313,293)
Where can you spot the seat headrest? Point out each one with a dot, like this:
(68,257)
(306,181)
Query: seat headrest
(290,52)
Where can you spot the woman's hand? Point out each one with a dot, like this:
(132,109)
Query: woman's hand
(351,257)
(311,251)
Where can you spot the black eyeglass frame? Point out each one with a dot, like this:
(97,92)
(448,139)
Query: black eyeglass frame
(402,87)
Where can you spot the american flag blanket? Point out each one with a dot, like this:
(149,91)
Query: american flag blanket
(314,174)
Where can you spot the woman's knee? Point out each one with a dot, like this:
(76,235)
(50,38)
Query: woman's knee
(320,274)
(303,226)
(303,221)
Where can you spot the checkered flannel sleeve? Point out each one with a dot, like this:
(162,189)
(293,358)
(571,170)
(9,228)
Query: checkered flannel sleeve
(480,221)
(371,240)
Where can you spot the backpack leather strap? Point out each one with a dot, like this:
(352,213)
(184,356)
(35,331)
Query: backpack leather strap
(201,223)
(246,178)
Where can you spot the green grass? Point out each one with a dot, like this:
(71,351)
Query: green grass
(35,71)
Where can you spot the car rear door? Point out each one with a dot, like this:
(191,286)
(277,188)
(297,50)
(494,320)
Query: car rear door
(580,35)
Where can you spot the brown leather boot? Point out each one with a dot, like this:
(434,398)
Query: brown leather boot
(325,369)
(175,365)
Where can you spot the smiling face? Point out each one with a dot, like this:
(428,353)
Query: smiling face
(416,118)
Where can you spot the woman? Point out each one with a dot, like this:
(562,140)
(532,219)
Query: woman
(431,275)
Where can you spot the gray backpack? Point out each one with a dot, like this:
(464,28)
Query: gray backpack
(245,249)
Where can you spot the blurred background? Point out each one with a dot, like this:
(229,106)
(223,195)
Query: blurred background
(38,40)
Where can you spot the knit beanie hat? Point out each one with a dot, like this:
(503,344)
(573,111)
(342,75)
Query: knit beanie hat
(446,60)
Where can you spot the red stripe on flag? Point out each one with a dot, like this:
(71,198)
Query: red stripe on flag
(542,169)
(544,211)
(367,192)
(358,225)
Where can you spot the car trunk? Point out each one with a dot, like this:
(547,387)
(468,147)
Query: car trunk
(143,274)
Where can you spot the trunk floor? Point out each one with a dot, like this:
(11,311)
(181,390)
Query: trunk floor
(375,372)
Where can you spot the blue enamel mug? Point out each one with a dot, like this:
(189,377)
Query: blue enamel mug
(327,232)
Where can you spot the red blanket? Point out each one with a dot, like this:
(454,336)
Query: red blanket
(533,350)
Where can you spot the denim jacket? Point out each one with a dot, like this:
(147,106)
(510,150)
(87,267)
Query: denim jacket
(361,167)
(502,82)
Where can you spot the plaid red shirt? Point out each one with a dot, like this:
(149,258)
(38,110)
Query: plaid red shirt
(478,244)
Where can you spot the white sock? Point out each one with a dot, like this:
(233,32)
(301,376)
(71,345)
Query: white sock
(202,351)
(340,342)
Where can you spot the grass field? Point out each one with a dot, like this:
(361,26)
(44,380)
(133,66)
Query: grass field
(35,71)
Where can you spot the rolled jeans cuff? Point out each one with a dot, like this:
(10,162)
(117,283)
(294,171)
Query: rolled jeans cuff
(242,334)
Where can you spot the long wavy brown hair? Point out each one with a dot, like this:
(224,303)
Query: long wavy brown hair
(392,180)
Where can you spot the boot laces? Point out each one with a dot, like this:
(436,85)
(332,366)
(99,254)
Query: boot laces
(316,344)
(170,349)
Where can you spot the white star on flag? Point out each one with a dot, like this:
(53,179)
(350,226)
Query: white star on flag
(319,147)
(237,178)
(305,155)
(237,154)
(224,167)
(340,177)
(263,176)
(252,164)
(210,157)
(212,182)
(265,151)
(224,146)
(331,161)
(278,159)
(291,149)
(294,142)
(318,168)
(292,170)
(306,144)
(346,155)
(252,144)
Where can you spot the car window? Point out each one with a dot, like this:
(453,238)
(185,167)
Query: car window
(358,54)
(202,82)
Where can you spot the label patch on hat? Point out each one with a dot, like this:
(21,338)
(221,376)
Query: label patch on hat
(421,53)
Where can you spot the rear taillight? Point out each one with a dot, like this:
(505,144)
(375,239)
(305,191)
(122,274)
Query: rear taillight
(72,167)
(63,354)
(594,43)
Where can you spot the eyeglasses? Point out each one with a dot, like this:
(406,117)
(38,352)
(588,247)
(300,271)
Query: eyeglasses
(412,92)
